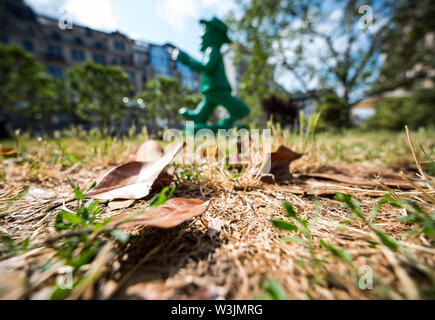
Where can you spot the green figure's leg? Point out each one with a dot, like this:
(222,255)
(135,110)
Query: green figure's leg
(236,107)
(201,113)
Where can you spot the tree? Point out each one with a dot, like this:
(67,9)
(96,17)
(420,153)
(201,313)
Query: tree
(282,111)
(25,89)
(408,46)
(334,112)
(393,113)
(313,45)
(98,91)
(163,97)
(257,81)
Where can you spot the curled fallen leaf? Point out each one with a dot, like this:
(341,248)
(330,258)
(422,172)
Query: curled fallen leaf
(169,215)
(133,180)
(147,152)
(6,151)
(280,165)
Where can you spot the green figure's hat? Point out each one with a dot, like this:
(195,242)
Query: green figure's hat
(219,26)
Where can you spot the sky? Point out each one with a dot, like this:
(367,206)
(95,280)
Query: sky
(157,21)
(177,22)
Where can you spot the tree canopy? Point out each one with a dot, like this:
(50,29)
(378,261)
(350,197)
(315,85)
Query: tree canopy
(332,47)
(163,97)
(98,90)
(24,86)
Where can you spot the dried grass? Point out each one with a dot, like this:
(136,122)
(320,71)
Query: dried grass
(233,263)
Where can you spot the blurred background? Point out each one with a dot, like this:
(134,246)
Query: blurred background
(106,63)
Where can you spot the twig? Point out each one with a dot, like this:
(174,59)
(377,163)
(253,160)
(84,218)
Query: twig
(415,158)
(59,204)
(426,195)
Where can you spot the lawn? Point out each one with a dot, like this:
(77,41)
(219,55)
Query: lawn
(355,221)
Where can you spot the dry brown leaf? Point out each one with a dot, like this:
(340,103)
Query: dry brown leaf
(6,151)
(133,180)
(169,215)
(116,205)
(280,165)
(147,152)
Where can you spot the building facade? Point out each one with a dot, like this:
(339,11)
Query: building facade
(61,48)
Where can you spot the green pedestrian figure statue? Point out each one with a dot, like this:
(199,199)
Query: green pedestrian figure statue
(214,83)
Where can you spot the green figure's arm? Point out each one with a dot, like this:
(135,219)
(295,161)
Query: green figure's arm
(208,64)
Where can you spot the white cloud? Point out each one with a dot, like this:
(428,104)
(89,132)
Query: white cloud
(50,7)
(97,14)
(178,13)
(220,7)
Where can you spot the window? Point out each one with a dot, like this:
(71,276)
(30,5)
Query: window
(160,61)
(78,55)
(99,58)
(188,78)
(99,45)
(56,36)
(55,72)
(28,45)
(54,51)
(78,41)
(132,76)
(119,46)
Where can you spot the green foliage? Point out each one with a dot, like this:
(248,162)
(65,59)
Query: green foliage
(272,290)
(351,203)
(334,112)
(9,246)
(162,197)
(423,221)
(25,88)
(98,90)
(337,252)
(420,218)
(303,226)
(430,166)
(67,159)
(395,112)
(406,42)
(85,216)
(163,97)
(308,127)
(284,36)
(284,225)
